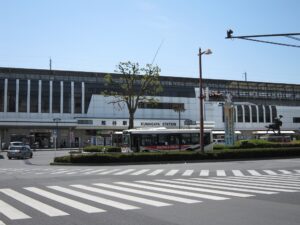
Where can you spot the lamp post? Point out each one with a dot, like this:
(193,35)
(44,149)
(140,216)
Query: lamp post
(56,120)
(201,97)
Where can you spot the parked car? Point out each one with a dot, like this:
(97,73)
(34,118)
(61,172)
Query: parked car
(17,143)
(19,152)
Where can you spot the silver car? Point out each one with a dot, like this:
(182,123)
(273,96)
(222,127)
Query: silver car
(19,152)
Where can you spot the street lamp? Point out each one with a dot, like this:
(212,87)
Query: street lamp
(206,52)
(56,120)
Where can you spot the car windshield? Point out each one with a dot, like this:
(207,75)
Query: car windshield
(16,148)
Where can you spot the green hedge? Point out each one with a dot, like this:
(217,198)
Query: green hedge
(257,143)
(94,148)
(177,156)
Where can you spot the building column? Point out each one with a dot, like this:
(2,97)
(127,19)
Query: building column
(243,113)
(17,94)
(250,108)
(5,94)
(264,111)
(28,95)
(271,114)
(82,97)
(72,97)
(40,97)
(61,97)
(50,95)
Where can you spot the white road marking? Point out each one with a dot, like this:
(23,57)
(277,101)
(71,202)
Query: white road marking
(248,185)
(155,172)
(188,173)
(270,172)
(139,172)
(66,201)
(124,172)
(151,194)
(37,205)
(211,197)
(237,173)
(216,183)
(147,187)
(172,172)
(11,212)
(108,172)
(209,184)
(93,171)
(235,194)
(221,173)
(204,173)
(267,184)
(1,223)
(122,196)
(94,198)
(254,173)
(285,171)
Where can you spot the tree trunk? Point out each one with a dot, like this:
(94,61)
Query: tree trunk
(131,121)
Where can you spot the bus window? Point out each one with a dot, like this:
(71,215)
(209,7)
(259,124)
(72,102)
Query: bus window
(173,139)
(195,139)
(186,139)
(162,139)
(148,139)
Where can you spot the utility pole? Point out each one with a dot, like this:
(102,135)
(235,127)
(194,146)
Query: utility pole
(50,64)
(245,76)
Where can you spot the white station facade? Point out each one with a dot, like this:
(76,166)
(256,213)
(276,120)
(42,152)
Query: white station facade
(36,103)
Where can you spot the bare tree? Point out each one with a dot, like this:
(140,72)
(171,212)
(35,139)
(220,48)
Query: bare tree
(135,85)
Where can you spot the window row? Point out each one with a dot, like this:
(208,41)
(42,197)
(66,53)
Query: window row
(40,96)
(254,114)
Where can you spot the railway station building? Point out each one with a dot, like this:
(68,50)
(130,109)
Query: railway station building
(37,105)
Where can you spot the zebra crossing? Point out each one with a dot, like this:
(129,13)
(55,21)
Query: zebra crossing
(100,198)
(145,172)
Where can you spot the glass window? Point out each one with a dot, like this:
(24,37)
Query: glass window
(67,97)
(23,87)
(45,96)
(268,114)
(186,139)
(195,139)
(240,113)
(103,122)
(11,96)
(148,139)
(34,95)
(114,123)
(56,97)
(261,114)
(247,113)
(1,95)
(162,139)
(77,97)
(174,139)
(124,123)
(296,120)
(254,113)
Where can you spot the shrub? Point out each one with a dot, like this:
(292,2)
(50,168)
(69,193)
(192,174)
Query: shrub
(93,148)
(96,148)
(178,156)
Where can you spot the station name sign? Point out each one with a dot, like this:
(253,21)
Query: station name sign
(158,124)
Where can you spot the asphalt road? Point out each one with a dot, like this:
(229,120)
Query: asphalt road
(209,193)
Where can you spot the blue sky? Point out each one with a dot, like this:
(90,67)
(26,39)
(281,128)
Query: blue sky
(95,35)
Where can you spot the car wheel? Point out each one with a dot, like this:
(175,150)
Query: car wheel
(30,156)
(9,157)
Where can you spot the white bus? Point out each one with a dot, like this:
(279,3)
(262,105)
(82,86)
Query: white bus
(162,139)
